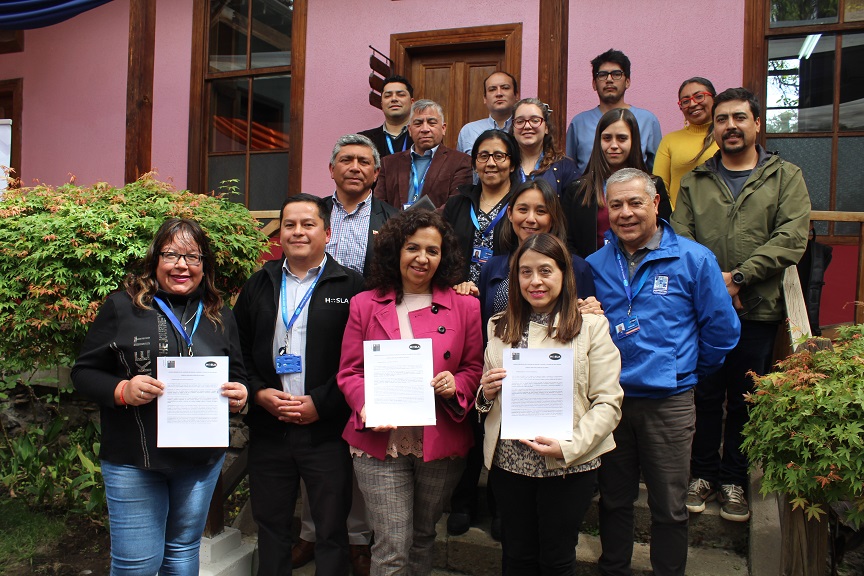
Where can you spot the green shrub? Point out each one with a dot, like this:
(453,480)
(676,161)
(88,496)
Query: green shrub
(63,250)
(806,427)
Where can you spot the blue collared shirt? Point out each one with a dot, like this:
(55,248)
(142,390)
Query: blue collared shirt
(349,233)
(472,130)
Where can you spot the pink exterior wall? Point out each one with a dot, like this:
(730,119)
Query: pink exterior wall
(74,109)
(337,62)
(171,84)
(667,42)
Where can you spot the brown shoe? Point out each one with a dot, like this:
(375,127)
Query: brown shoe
(361,558)
(302,553)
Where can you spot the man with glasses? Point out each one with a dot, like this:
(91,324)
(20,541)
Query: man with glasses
(500,93)
(429,168)
(610,78)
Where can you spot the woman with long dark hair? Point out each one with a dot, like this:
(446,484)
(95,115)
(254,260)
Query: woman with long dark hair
(158,498)
(684,149)
(616,145)
(544,485)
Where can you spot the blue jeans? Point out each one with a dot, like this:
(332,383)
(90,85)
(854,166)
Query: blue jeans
(157,517)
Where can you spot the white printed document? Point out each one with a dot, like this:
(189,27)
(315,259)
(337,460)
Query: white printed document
(398,383)
(192,413)
(537,394)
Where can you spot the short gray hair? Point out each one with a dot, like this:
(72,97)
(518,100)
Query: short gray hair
(355,140)
(421,105)
(627,174)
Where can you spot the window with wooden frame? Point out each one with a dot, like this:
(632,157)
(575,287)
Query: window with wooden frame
(805,61)
(247,99)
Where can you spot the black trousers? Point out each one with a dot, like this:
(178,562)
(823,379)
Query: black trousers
(540,520)
(275,468)
(727,387)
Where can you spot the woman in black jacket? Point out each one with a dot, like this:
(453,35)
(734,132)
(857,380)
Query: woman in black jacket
(616,145)
(157,497)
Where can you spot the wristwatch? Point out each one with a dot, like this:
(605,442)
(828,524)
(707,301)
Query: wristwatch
(737,277)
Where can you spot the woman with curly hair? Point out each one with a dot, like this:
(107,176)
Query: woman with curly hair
(533,130)
(157,497)
(407,473)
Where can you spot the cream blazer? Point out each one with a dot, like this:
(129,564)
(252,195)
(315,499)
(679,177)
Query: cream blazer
(597,394)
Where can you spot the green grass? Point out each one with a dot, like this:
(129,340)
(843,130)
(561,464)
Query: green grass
(24,533)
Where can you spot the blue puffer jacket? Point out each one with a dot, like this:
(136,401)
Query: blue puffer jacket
(687,323)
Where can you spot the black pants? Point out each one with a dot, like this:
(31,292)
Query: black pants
(540,520)
(654,437)
(275,468)
(728,386)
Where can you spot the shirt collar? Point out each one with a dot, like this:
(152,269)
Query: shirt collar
(430,153)
(507,123)
(395,136)
(360,204)
(652,244)
(312,271)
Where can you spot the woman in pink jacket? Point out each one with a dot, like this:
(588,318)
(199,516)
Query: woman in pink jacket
(407,473)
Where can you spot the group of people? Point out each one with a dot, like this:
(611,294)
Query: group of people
(666,287)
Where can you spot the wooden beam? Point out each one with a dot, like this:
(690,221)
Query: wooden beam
(139,88)
(552,61)
(298,84)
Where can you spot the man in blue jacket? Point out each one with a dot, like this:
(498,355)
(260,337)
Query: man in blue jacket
(672,320)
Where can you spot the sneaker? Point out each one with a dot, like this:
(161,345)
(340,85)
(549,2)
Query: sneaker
(733,505)
(699,492)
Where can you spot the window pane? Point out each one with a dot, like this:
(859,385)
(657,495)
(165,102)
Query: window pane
(852,83)
(229,126)
(271,97)
(802,12)
(813,156)
(850,182)
(268,180)
(228,30)
(854,11)
(800,84)
(271,32)
(222,171)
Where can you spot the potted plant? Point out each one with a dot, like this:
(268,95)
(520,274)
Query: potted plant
(806,431)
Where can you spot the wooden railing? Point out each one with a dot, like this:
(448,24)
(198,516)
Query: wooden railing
(231,478)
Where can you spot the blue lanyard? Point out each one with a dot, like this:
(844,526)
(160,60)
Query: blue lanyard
(389,139)
(631,294)
(178,326)
(417,186)
(536,167)
(284,300)
(491,225)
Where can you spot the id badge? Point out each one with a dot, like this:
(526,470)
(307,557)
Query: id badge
(288,364)
(627,327)
(480,254)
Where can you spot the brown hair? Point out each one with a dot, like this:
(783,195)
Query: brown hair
(551,153)
(143,286)
(512,324)
(599,170)
(509,240)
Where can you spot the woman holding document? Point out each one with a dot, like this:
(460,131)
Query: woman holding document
(544,485)
(157,497)
(406,473)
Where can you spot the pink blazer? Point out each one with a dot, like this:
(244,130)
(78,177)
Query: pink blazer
(453,323)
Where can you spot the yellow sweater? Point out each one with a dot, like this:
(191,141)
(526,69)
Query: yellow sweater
(675,153)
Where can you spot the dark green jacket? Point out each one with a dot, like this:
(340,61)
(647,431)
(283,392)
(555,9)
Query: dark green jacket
(761,233)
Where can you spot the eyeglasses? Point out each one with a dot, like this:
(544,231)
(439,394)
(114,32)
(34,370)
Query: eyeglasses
(483,157)
(603,74)
(696,98)
(174,257)
(534,121)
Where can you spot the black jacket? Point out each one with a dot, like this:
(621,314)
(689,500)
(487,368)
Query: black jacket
(256,314)
(381,212)
(377,136)
(582,220)
(457,212)
(123,342)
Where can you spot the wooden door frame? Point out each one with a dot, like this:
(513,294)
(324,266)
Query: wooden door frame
(402,45)
(15,87)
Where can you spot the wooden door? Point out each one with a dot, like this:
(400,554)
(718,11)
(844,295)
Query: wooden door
(454,79)
(449,66)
